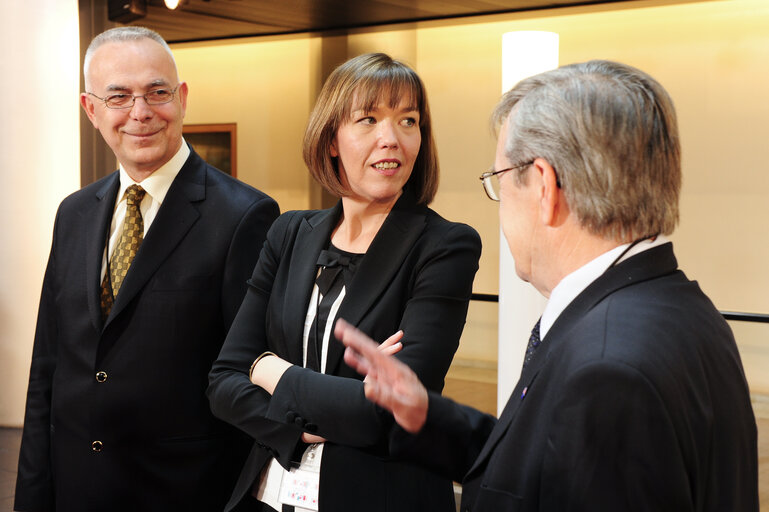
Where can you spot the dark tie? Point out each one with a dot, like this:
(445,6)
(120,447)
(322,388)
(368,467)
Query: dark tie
(125,249)
(330,282)
(534,342)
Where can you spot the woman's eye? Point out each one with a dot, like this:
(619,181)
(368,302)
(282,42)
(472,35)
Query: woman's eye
(409,121)
(367,120)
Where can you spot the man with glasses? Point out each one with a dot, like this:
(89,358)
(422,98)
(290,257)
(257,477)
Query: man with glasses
(632,395)
(147,270)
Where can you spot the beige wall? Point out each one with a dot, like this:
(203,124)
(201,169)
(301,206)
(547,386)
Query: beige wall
(263,86)
(39,165)
(712,56)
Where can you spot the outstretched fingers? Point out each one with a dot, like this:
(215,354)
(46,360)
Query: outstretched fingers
(389,383)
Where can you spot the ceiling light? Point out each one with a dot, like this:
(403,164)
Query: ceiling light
(173,4)
(126,11)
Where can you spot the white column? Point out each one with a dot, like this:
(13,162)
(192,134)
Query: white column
(39,165)
(524,53)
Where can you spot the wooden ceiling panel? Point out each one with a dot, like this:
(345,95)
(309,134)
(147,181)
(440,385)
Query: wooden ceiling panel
(200,20)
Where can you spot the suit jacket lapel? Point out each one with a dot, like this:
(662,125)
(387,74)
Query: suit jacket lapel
(176,216)
(384,257)
(97,219)
(313,236)
(647,265)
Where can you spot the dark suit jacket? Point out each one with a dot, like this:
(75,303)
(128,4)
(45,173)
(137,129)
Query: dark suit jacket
(417,276)
(636,400)
(162,448)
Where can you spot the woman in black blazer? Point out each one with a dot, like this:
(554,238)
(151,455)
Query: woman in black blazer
(382,260)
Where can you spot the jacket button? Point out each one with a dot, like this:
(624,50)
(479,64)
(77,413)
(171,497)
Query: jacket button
(299,421)
(97,446)
(101,377)
(290,416)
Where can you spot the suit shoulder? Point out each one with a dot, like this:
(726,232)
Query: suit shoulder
(87,193)
(439,227)
(649,324)
(292,219)
(233,188)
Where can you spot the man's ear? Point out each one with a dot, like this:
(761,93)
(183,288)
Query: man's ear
(87,103)
(182,91)
(550,197)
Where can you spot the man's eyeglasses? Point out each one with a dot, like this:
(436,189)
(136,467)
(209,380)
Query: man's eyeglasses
(490,180)
(153,97)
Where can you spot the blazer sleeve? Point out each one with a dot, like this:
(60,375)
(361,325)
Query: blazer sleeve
(432,319)
(232,396)
(34,482)
(450,440)
(247,241)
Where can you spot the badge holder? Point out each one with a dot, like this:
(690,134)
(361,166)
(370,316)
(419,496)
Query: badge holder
(299,486)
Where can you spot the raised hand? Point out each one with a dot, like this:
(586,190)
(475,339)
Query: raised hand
(389,383)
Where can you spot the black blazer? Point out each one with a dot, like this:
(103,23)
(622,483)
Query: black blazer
(417,276)
(636,400)
(161,447)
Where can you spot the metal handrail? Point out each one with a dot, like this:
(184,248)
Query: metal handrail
(729,315)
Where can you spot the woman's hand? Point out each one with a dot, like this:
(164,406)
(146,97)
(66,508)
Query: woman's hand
(392,345)
(311,438)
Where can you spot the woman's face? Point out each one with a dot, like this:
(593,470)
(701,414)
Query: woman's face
(376,151)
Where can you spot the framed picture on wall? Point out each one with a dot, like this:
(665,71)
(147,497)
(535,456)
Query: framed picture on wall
(215,143)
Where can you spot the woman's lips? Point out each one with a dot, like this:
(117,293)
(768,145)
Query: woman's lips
(387,167)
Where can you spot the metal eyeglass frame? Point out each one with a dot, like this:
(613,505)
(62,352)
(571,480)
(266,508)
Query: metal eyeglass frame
(106,99)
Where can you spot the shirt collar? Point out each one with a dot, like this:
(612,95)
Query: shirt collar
(157,184)
(576,282)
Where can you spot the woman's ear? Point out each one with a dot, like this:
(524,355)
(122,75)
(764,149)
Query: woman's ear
(334,152)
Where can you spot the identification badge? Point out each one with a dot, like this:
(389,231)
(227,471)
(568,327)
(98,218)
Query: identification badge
(299,486)
(300,489)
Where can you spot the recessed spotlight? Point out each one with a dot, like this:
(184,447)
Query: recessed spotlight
(173,4)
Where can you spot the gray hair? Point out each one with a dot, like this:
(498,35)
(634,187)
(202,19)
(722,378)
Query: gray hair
(122,34)
(610,132)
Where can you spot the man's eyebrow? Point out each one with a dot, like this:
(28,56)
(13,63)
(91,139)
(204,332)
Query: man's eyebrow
(154,83)
(158,82)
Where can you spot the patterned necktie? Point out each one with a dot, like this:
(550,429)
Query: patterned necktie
(534,342)
(125,250)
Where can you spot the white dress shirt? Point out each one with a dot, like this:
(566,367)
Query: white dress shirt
(156,185)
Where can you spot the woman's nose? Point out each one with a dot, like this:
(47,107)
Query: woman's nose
(388,137)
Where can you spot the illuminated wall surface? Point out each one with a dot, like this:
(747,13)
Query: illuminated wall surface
(712,56)
(39,166)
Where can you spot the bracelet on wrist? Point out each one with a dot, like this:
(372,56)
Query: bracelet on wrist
(253,365)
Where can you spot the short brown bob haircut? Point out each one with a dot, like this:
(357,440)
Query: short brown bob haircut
(369,80)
